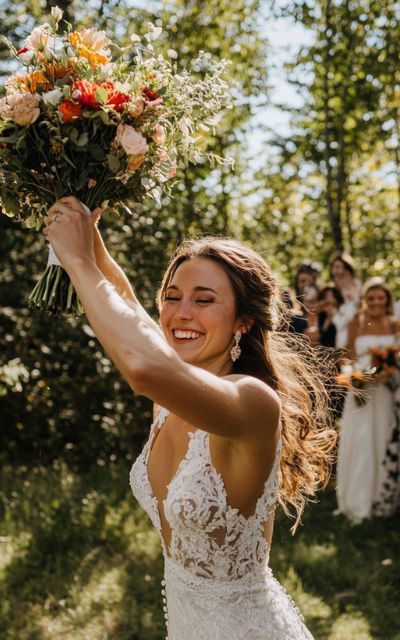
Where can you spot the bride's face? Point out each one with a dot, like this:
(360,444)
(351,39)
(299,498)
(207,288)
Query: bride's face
(198,315)
(376,302)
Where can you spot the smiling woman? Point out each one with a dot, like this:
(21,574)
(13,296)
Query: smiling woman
(368,477)
(241,421)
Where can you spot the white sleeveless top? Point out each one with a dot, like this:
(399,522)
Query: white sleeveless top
(218,585)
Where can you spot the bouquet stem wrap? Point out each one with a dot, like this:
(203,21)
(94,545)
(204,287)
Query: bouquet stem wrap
(54,292)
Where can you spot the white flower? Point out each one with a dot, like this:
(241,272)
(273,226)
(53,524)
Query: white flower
(53,47)
(172,53)
(52,97)
(39,37)
(153,32)
(133,143)
(105,71)
(27,57)
(56,14)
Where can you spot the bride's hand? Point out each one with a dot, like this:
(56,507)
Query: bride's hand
(71,231)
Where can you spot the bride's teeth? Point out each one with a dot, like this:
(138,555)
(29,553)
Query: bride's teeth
(186,334)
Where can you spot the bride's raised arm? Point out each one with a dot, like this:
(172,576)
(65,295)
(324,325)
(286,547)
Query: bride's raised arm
(237,407)
(108,266)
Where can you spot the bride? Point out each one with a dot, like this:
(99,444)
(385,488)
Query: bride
(368,429)
(240,421)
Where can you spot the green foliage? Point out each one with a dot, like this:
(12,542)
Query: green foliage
(335,178)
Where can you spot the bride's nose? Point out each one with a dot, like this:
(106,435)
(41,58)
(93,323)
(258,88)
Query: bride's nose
(184,309)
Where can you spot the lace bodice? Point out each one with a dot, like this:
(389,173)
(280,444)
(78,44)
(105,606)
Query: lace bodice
(209,537)
(218,585)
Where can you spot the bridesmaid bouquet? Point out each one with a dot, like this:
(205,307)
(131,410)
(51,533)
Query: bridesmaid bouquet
(81,116)
(386,362)
(380,364)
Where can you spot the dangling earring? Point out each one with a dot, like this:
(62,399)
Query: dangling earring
(236,350)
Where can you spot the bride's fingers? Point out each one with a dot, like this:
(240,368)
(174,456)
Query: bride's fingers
(72,202)
(96,215)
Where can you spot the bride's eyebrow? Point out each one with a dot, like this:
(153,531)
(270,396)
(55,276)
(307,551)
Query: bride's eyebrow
(175,288)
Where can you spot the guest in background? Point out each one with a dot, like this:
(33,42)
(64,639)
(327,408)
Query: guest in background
(397,310)
(369,432)
(344,277)
(298,323)
(330,300)
(311,312)
(306,275)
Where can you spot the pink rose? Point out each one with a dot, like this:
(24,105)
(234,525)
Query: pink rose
(172,171)
(133,143)
(159,134)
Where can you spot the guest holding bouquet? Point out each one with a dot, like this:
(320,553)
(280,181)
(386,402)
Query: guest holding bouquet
(369,428)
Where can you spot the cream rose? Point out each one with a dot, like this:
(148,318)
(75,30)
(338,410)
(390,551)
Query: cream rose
(39,38)
(133,143)
(135,108)
(21,108)
(94,40)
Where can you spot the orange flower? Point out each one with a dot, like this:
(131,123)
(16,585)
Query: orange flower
(56,71)
(343,380)
(357,375)
(135,162)
(85,93)
(94,57)
(69,110)
(36,80)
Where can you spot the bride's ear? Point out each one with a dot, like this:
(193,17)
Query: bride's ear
(247,325)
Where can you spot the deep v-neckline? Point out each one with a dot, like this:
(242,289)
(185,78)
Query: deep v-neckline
(155,430)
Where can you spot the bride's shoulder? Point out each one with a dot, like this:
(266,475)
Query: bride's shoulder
(254,389)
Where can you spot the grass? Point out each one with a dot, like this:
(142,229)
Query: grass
(80,561)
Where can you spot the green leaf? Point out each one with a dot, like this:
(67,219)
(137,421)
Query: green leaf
(11,205)
(113,163)
(82,140)
(96,151)
(101,95)
(64,155)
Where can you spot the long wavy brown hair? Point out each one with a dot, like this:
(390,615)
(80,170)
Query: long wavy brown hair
(299,373)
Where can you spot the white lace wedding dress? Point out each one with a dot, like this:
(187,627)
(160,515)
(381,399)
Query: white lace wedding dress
(362,469)
(218,585)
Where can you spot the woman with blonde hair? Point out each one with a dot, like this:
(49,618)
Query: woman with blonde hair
(241,421)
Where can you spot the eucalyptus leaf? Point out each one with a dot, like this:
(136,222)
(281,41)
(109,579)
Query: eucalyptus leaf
(113,163)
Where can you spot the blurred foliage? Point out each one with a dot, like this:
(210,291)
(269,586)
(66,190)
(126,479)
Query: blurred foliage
(334,181)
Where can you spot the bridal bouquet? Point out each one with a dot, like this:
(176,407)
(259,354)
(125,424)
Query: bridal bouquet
(83,117)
